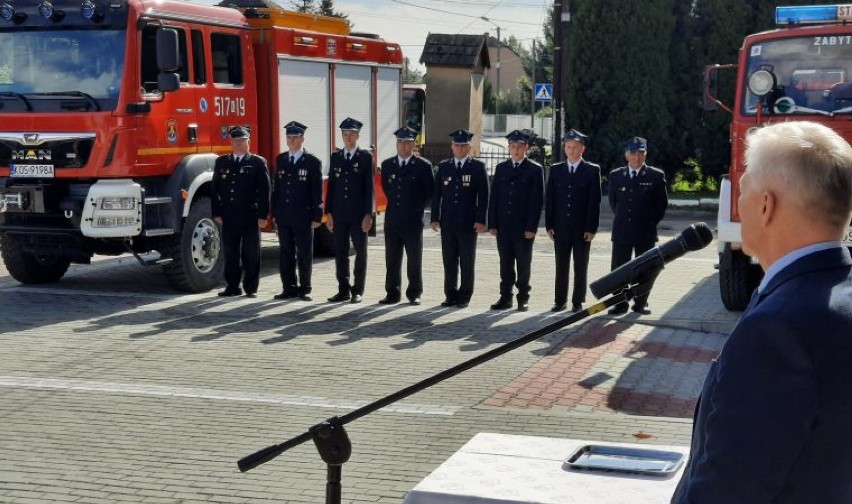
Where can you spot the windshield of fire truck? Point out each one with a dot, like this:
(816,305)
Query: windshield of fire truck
(68,70)
(807,70)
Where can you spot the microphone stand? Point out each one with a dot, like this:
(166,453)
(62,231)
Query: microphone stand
(331,438)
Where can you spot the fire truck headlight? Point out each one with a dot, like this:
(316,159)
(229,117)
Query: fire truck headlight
(7,12)
(118,203)
(45,9)
(761,82)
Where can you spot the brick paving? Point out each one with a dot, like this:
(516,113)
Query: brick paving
(113,388)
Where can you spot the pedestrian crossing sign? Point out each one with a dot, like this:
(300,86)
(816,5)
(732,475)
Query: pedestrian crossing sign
(543,92)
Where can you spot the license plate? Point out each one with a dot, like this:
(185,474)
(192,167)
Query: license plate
(31,170)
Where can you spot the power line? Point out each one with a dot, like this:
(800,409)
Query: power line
(462,15)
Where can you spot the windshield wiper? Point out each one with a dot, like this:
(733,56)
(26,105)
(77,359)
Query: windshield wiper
(841,111)
(19,96)
(87,96)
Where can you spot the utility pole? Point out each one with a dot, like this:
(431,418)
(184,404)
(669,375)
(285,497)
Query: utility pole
(532,89)
(497,95)
(561,17)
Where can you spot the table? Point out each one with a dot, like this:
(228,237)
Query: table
(510,469)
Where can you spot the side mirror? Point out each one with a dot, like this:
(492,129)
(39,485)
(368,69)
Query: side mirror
(841,91)
(711,86)
(168,60)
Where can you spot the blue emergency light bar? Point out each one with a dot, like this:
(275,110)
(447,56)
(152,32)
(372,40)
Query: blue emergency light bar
(813,14)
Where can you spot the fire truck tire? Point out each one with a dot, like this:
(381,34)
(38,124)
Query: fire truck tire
(323,242)
(31,269)
(196,252)
(738,278)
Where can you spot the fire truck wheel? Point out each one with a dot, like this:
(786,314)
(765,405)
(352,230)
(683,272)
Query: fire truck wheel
(31,269)
(323,242)
(197,259)
(738,278)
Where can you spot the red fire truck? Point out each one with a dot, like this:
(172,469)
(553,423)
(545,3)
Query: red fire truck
(112,113)
(800,71)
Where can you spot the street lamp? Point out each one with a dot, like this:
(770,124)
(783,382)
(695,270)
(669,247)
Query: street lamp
(497,100)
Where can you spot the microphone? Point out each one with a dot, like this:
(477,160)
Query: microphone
(695,237)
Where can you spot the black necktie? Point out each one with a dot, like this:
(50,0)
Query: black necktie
(236,158)
(348,156)
(516,166)
(573,169)
(292,159)
(402,164)
(459,165)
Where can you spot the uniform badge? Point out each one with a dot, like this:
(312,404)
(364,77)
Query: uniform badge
(623,188)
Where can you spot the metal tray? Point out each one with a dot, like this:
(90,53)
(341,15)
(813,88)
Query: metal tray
(625,460)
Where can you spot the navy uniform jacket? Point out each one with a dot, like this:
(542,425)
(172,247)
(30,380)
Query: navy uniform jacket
(573,200)
(240,191)
(297,190)
(517,195)
(350,186)
(408,190)
(773,421)
(460,198)
(639,204)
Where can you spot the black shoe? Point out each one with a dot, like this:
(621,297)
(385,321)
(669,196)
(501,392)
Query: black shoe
(356,298)
(251,295)
(448,302)
(306,297)
(502,304)
(283,295)
(388,300)
(340,297)
(230,292)
(641,310)
(575,307)
(463,304)
(523,306)
(414,301)
(618,310)
(558,307)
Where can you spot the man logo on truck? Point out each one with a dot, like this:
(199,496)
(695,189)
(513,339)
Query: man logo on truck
(31,155)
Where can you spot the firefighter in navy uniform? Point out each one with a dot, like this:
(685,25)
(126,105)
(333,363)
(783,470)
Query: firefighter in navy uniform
(459,208)
(514,212)
(408,184)
(240,205)
(297,210)
(638,198)
(349,205)
(571,216)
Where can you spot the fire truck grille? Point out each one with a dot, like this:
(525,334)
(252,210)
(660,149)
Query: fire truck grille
(72,153)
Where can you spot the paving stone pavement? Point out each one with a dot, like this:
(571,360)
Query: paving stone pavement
(113,388)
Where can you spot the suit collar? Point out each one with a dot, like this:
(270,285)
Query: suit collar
(822,259)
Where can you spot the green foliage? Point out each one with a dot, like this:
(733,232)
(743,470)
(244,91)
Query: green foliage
(411,74)
(691,179)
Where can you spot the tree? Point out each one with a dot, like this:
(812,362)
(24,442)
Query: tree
(304,5)
(411,74)
(326,8)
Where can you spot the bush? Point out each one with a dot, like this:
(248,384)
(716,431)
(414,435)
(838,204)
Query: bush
(690,178)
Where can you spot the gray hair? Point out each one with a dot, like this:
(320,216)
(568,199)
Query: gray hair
(807,161)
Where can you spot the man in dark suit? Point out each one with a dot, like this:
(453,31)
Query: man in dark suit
(297,209)
(514,212)
(408,184)
(349,205)
(571,216)
(638,198)
(459,208)
(772,423)
(240,205)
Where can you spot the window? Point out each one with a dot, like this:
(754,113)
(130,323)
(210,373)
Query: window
(227,59)
(198,66)
(149,58)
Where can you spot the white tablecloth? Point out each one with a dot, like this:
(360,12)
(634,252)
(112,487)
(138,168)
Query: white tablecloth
(508,469)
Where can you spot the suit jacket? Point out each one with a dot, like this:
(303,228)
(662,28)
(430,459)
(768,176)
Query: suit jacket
(240,190)
(408,190)
(573,200)
(639,204)
(773,421)
(297,191)
(517,196)
(460,198)
(350,186)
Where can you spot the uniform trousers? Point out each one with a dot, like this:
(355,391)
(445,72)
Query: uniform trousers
(458,250)
(514,252)
(563,251)
(241,245)
(622,254)
(343,232)
(411,242)
(296,251)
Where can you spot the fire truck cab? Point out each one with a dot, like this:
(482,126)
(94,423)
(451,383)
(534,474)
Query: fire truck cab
(112,113)
(800,71)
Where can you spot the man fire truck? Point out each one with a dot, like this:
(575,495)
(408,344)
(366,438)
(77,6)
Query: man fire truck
(801,71)
(112,113)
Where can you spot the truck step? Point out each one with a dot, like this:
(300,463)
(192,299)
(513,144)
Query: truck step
(159,200)
(159,232)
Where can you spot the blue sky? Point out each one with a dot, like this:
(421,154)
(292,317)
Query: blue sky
(407,22)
